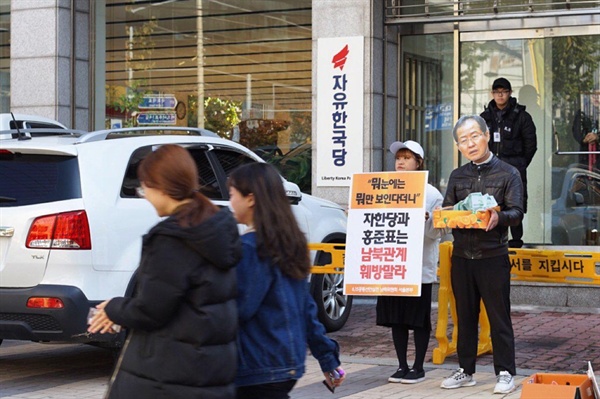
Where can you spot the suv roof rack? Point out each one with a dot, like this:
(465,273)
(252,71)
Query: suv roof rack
(145,131)
(37,132)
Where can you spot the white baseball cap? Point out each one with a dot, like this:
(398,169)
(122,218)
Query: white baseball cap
(409,144)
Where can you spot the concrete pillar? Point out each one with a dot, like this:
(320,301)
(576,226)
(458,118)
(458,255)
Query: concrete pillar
(334,18)
(50,60)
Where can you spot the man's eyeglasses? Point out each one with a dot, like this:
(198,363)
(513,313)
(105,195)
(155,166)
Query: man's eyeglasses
(139,190)
(501,92)
(474,138)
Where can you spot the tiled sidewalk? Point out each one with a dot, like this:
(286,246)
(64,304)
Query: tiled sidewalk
(367,379)
(545,339)
(559,340)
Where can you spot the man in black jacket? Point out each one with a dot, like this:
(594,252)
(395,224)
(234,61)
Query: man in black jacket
(480,263)
(513,139)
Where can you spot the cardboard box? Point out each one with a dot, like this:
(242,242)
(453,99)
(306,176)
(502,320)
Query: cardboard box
(461,219)
(557,386)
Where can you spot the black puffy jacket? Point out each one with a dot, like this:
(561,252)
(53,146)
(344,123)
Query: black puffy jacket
(500,180)
(518,140)
(182,318)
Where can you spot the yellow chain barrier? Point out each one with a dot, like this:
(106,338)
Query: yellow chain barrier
(550,266)
(336,251)
(537,265)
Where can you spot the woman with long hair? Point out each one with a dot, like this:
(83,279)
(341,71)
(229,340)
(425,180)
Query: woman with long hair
(277,314)
(182,318)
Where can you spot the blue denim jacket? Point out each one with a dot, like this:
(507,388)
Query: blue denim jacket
(278,318)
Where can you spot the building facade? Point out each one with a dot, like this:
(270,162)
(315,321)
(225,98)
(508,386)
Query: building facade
(250,71)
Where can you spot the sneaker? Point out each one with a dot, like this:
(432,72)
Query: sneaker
(505,384)
(398,375)
(413,376)
(458,379)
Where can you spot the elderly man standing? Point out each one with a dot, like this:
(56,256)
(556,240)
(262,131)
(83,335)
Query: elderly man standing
(513,139)
(480,263)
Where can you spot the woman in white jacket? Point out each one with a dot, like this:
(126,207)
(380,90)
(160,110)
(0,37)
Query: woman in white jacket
(413,313)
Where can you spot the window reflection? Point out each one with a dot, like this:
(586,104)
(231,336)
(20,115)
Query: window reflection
(4,56)
(562,98)
(239,68)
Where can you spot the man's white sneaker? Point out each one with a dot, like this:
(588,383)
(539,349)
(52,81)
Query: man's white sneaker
(458,379)
(505,384)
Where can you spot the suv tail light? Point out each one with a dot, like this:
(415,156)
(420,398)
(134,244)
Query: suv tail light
(68,230)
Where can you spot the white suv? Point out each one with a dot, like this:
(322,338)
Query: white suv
(71,224)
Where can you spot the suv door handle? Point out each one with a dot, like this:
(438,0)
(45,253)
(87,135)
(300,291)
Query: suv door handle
(6,231)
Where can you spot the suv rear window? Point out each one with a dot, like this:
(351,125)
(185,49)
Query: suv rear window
(209,184)
(27,179)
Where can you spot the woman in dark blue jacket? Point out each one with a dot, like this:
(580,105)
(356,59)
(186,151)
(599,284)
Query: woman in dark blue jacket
(277,314)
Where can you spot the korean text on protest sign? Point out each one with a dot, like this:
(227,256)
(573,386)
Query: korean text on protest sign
(384,246)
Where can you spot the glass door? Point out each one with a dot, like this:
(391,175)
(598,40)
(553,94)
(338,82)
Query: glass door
(556,75)
(427,98)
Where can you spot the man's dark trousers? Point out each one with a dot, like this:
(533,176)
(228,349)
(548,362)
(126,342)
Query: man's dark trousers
(487,279)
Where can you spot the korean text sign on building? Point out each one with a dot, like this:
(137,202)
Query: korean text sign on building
(340,90)
(386,223)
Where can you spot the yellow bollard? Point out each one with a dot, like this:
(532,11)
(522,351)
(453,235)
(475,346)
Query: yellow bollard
(446,303)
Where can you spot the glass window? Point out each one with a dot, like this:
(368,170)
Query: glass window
(209,184)
(587,188)
(131,181)
(230,160)
(558,80)
(428,103)
(27,179)
(296,166)
(4,55)
(239,68)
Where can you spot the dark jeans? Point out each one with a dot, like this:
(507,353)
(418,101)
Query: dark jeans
(516,233)
(472,281)
(275,390)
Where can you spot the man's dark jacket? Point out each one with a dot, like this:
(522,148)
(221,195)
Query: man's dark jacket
(518,141)
(502,181)
(582,125)
(183,315)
